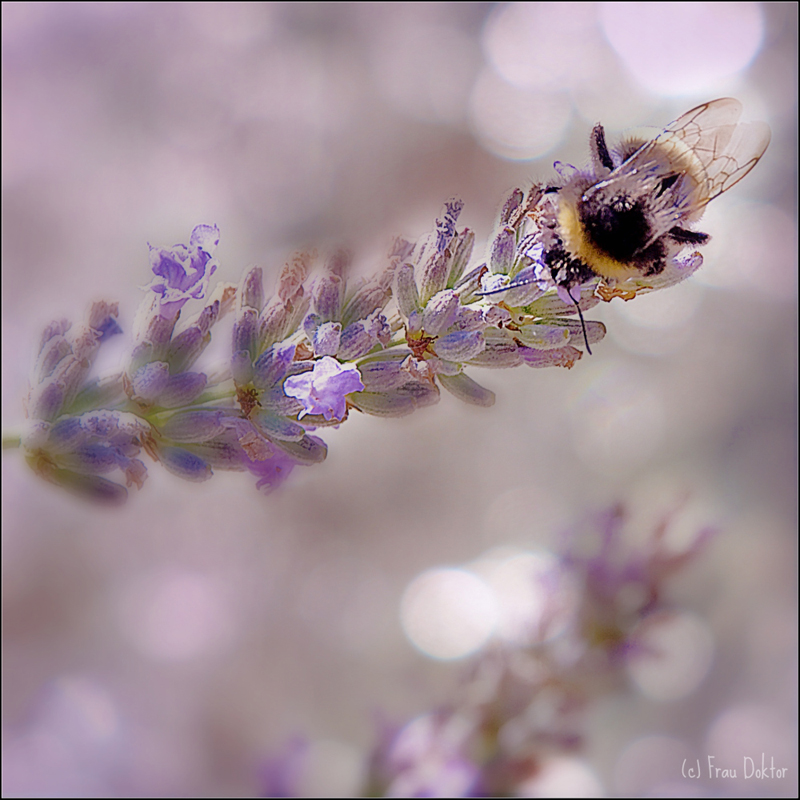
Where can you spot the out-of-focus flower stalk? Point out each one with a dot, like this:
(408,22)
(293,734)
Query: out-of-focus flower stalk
(522,702)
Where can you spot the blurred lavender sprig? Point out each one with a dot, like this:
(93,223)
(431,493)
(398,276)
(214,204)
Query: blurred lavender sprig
(300,359)
(522,703)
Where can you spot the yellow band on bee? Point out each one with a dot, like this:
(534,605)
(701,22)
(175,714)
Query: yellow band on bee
(579,246)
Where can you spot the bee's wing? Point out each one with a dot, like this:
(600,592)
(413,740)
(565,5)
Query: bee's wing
(696,158)
(726,148)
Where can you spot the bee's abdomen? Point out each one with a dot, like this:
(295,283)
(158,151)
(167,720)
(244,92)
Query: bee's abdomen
(566,270)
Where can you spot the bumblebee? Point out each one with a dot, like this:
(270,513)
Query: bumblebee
(632,212)
(628,218)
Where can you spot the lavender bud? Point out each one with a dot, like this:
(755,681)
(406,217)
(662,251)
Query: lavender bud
(466,389)
(460,346)
(90,459)
(182,390)
(244,331)
(186,348)
(309,450)
(434,276)
(382,376)
(194,426)
(461,254)
(327,296)
(242,368)
(510,206)
(501,351)
(405,290)
(184,464)
(384,404)
(275,427)
(563,357)
(358,339)
(503,250)
(326,339)
(371,297)
(544,337)
(149,381)
(273,365)
(251,293)
(440,312)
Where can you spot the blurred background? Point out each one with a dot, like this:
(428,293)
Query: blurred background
(169,647)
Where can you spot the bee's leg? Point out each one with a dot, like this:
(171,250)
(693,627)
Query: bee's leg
(666,183)
(683,236)
(599,148)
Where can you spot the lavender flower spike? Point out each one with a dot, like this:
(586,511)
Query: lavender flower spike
(325,343)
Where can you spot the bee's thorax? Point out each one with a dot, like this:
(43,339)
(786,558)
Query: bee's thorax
(617,225)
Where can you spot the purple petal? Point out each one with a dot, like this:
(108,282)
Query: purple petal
(271,472)
(323,390)
(103,319)
(205,237)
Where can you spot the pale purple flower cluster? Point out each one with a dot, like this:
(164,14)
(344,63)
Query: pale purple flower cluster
(61,444)
(444,333)
(75,452)
(158,372)
(64,359)
(347,321)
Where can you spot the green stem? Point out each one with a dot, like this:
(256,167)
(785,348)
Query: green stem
(11,440)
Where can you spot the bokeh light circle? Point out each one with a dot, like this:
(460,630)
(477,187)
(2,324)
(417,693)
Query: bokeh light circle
(676,655)
(683,48)
(448,613)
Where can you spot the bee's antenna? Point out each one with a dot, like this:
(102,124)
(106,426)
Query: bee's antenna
(583,325)
(600,148)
